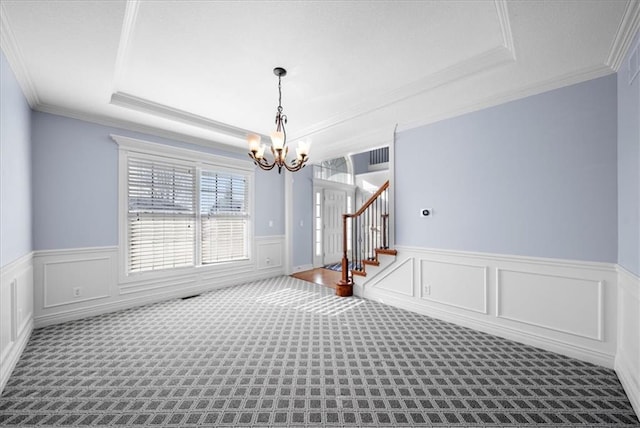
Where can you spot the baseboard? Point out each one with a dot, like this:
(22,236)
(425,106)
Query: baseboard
(559,347)
(564,306)
(71,284)
(302,268)
(624,371)
(101,308)
(10,360)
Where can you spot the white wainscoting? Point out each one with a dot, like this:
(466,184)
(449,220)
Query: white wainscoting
(16,313)
(627,363)
(76,283)
(563,306)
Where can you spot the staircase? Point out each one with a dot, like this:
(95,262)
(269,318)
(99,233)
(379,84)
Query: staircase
(365,236)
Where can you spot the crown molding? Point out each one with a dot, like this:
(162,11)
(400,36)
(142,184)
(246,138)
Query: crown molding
(16,59)
(143,105)
(136,127)
(628,28)
(495,57)
(513,95)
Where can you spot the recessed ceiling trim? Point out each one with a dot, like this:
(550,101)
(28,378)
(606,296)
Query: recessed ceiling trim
(629,26)
(128,23)
(146,106)
(505,26)
(495,57)
(16,59)
(136,127)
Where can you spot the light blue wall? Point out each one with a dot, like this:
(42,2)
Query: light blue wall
(303,212)
(75,184)
(533,177)
(360,162)
(269,203)
(15,168)
(629,168)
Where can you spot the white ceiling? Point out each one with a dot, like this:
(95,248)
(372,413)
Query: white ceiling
(201,71)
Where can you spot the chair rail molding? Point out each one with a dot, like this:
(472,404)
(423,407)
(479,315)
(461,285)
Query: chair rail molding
(564,306)
(75,283)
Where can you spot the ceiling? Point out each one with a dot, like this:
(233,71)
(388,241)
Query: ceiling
(201,71)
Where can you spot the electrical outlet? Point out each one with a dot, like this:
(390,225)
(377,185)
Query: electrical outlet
(427,290)
(268,261)
(77,291)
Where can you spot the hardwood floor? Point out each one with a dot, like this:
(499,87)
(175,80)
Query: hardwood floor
(322,276)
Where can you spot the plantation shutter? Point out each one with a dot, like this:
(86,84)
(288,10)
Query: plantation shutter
(161,215)
(224,216)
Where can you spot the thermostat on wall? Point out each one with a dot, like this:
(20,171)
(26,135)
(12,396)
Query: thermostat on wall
(426,212)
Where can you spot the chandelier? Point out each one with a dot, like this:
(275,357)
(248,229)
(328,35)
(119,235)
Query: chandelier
(279,148)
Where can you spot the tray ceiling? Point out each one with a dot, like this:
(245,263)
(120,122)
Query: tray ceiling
(202,71)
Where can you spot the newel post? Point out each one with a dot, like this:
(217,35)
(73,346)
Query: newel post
(344,288)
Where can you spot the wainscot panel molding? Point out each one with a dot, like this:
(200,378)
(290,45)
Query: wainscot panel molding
(16,313)
(627,364)
(564,306)
(72,284)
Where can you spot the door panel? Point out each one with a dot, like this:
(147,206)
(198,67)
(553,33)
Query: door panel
(335,204)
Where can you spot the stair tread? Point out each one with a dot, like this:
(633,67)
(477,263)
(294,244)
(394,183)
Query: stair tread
(389,251)
(358,272)
(371,262)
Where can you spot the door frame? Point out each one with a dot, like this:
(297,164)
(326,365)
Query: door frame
(320,185)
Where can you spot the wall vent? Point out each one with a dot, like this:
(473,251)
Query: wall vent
(379,156)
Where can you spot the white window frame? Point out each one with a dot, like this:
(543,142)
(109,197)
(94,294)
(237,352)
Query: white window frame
(131,147)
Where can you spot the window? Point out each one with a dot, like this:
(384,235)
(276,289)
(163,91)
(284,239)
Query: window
(223,216)
(161,215)
(181,208)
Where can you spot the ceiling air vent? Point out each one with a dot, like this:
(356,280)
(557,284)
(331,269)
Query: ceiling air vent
(634,63)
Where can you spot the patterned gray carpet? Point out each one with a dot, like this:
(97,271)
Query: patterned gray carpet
(283,352)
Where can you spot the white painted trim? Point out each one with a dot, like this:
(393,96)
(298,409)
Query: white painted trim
(485,287)
(134,145)
(142,105)
(567,79)
(491,58)
(288,222)
(579,264)
(302,268)
(141,291)
(21,263)
(387,272)
(629,26)
(47,305)
(19,330)
(212,142)
(559,346)
(10,359)
(128,25)
(626,368)
(505,26)
(598,335)
(599,349)
(16,59)
(127,147)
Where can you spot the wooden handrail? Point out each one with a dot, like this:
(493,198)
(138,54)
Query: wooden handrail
(367,204)
(344,287)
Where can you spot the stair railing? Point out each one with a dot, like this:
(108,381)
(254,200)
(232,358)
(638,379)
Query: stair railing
(370,231)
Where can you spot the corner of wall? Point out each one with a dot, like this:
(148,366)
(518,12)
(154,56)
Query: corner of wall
(627,363)
(16,313)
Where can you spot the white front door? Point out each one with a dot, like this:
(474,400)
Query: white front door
(335,204)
